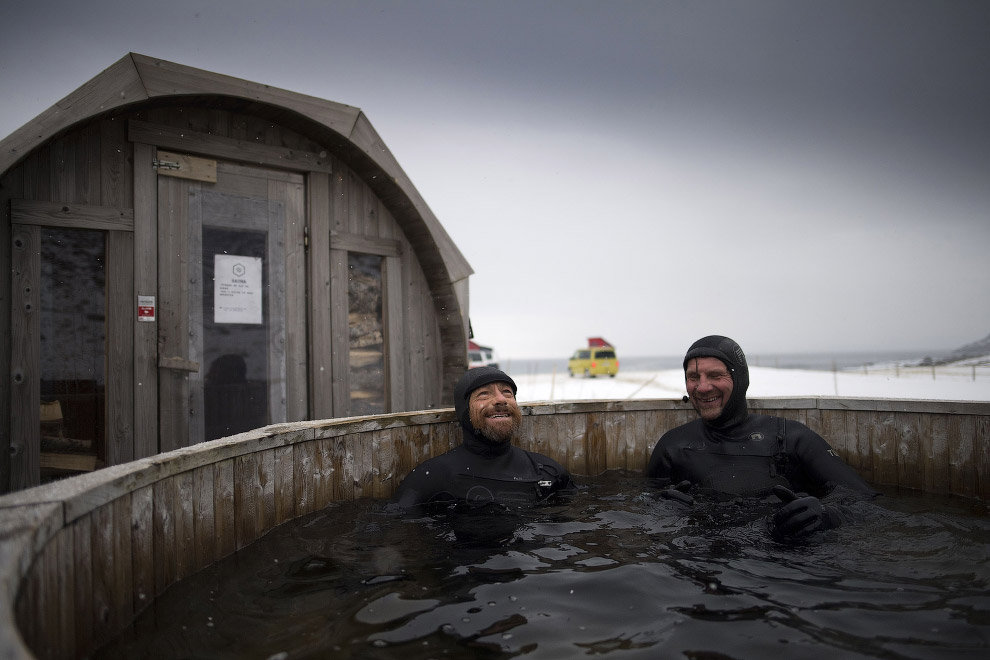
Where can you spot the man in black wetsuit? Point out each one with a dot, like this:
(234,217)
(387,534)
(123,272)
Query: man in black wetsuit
(487,467)
(733,452)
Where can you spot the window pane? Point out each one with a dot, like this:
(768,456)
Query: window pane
(73,340)
(367,342)
(235,332)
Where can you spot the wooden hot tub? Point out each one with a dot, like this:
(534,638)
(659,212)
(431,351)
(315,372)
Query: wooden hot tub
(80,557)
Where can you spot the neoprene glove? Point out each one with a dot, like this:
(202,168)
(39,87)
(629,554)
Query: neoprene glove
(801,513)
(678,492)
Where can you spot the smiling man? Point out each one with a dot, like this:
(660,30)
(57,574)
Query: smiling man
(732,452)
(486,467)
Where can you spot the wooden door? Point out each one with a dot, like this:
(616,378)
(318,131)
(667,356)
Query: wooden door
(231,326)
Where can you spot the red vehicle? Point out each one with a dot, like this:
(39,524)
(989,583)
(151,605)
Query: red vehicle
(481,356)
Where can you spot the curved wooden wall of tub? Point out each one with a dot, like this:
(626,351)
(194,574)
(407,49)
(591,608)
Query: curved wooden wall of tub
(82,556)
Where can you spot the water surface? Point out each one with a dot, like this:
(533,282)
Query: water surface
(614,572)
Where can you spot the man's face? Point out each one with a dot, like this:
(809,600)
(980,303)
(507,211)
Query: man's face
(709,385)
(494,413)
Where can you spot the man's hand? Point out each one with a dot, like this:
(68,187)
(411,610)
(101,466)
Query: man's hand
(678,492)
(800,515)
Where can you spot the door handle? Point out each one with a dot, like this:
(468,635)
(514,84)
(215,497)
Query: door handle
(177,363)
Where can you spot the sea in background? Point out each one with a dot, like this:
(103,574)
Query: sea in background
(813,361)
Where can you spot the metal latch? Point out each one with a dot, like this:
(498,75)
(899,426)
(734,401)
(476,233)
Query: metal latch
(165,164)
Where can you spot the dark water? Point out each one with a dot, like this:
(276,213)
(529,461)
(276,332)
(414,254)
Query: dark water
(813,361)
(616,572)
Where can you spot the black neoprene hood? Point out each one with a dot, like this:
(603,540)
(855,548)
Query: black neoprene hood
(731,354)
(472,380)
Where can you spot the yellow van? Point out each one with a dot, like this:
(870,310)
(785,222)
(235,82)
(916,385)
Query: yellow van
(593,361)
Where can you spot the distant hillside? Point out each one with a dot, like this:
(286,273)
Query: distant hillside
(976,349)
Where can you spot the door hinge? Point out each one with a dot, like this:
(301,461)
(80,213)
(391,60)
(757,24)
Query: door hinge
(165,164)
(305,236)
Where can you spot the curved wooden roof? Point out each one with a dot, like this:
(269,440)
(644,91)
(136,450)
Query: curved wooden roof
(136,78)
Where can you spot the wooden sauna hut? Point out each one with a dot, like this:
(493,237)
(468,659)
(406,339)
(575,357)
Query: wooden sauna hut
(187,255)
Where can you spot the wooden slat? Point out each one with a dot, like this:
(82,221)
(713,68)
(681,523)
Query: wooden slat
(616,449)
(204,524)
(83,603)
(981,462)
(75,216)
(142,547)
(121,317)
(65,592)
(292,196)
(935,452)
(11,186)
(325,473)
(284,490)
(163,528)
(245,151)
(340,481)
(63,157)
(223,508)
(123,579)
(185,535)
(320,335)
(385,453)
(145,384)
(25,347)
(116,162)
(105,616)
(395,342)
(247,500)
(595,445)
(908,450)
(304,457)
(266,482)
(361,448)
(962,455)
(173,313)
(417,385)
(568,446)
(275,300)
(339,326)
(882,432)
(88,166)
(384,247)
(254,496)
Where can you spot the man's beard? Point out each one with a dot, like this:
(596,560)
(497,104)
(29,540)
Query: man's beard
(497,431)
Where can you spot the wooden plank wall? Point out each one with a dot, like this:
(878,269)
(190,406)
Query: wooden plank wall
(108,563)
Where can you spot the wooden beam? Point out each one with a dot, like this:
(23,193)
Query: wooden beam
(145,384)
(384,247)
(217,146)
(75,216)
(320,336)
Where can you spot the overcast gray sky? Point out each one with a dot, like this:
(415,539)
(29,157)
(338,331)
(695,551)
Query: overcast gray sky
(802,176)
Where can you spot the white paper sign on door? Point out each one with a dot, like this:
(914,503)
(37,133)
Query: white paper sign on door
(237,291)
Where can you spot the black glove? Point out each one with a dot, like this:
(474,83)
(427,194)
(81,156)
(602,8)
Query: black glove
(800,515)
(679,493)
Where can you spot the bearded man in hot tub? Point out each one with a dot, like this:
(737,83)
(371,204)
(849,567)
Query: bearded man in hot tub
(730,451)
(486,467)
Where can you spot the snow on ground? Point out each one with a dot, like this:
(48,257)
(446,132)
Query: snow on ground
(954,382)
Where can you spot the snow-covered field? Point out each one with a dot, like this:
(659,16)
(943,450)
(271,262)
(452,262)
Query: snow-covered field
(961,381)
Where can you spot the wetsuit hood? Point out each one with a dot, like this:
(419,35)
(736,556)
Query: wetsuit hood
(731,354)
(469,382)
